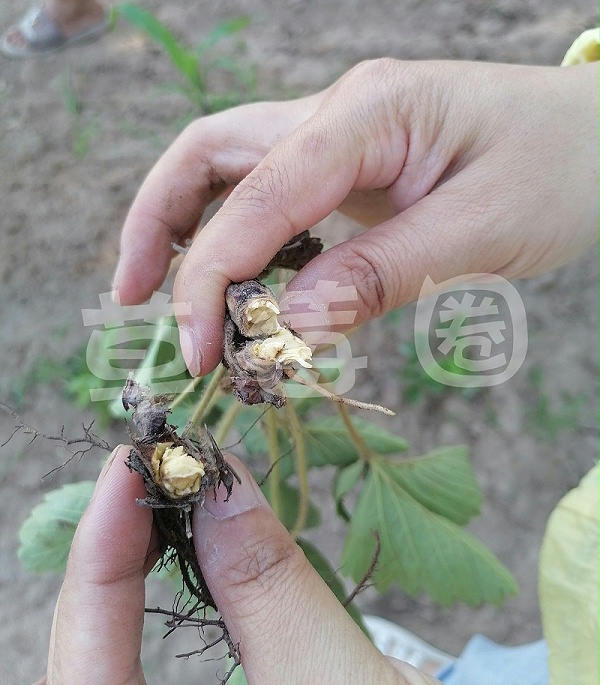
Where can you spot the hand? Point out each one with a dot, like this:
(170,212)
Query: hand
(289,626)
(457,167)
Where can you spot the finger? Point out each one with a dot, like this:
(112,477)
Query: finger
(287,622)
(384,267)
(300,182)
(97,629)
(266,209)
(442,236)
(210,156)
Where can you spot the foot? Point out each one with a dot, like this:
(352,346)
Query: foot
(70,18)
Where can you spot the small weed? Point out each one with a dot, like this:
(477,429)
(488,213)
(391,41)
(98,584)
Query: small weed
(83,132)
(198,65)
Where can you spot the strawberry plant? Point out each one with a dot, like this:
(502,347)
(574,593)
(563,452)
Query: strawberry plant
(405,514)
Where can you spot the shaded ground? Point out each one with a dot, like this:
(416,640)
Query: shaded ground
(67,177)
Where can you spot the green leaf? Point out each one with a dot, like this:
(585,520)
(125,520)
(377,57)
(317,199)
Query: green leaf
(253,437)
(289,501)
(421,550)
(395,316)
(328,442)
(47,534)
(182,414)
(442,481)
(325,570)
(345,479)
(185,61)
(304,404)
(223,30)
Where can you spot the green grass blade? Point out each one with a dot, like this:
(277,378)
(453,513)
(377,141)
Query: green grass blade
(186,61)
(223,30)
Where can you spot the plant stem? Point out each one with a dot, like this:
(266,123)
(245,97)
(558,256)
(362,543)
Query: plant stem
(226,422)
(361,446)
(301,468)
(190,387)
(208,396)
(273,439)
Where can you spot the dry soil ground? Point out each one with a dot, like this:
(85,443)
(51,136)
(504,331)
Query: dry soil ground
(66,180)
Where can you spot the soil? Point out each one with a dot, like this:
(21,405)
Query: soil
(69,169)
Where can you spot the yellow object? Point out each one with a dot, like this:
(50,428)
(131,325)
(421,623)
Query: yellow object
(568,570)
(568,586)
(283,347)
(585,49)
(261,317)
(176,472)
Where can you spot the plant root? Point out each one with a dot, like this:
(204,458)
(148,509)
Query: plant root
(339,398)
(260,353)
(364,582)
(178,473)
(89,439)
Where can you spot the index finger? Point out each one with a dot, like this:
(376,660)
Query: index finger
(190,175)
(301,181)
(210,156)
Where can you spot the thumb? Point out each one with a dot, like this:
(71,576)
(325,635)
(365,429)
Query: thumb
(287,622)
(97,629)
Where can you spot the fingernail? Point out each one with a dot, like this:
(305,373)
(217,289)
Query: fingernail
(190,350)
(116,282)
(244,496)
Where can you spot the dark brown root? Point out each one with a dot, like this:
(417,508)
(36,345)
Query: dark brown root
(172,514)
(295,254)
(260,353)
(191,619)
(252,382)
(89,439)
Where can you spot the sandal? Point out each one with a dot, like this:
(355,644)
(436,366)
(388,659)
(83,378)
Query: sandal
(43,36)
